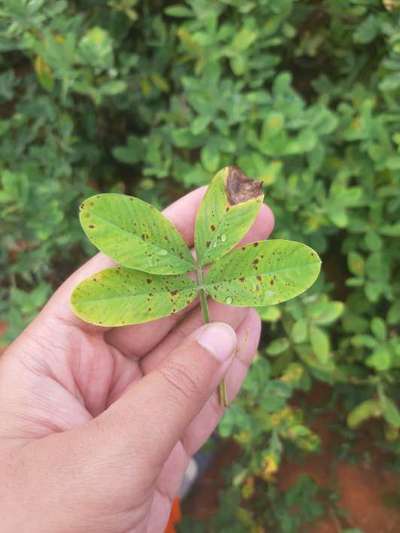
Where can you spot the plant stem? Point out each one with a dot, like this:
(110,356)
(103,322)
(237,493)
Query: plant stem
(222,391)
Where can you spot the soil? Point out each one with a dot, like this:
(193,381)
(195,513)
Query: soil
(365,490)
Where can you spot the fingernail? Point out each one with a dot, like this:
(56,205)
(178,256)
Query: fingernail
(218,338)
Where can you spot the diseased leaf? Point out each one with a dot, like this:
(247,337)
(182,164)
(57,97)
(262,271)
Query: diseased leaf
(135,234)
(263,273)
(226,213)
(120,296)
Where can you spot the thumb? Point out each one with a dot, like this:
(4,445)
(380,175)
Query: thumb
(153,414)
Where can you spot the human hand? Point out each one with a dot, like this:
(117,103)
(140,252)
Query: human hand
(97,425)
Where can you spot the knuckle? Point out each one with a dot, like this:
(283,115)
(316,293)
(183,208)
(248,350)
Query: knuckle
(181,381)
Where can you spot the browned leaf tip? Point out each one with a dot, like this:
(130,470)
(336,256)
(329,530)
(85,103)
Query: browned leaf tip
(240,187)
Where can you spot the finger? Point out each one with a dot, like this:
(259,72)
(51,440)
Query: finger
(203,425)
(153,413)
(135,341)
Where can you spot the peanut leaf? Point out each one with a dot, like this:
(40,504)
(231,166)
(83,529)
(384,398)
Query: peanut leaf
(263,273)
(120,296)
(226,213)
(135,234)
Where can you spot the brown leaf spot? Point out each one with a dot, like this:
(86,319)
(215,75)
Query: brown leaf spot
(212,227)
(174,292)
(91,226)
(149,280)
(240,188)
(259,278)
(271,281)
(255,262)
(242,279)
(255,244)
(208,244)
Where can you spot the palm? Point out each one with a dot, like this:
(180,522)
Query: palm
(62,373)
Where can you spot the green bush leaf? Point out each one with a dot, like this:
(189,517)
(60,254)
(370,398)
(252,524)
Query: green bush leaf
(378,328)
(219,224)
(320,343)
(120,296)
(263,273)
(364,411)
(278,346)
(390,410)
(135,234)
(299,331)
(380,359)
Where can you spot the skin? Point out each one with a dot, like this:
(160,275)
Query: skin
(97,425)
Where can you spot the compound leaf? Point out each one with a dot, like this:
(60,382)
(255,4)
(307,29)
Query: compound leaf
(226,213)
(135,234)
(263,273)
(120,296)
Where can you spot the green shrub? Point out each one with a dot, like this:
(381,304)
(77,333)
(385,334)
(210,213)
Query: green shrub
(152,98)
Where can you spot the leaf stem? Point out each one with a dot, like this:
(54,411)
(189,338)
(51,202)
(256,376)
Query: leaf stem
(222,391)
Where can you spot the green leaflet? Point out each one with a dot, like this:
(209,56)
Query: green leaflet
(119,296)
(135,234)
(263,273)
(219,224)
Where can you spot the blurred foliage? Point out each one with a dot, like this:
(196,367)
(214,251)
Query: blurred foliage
(153,97)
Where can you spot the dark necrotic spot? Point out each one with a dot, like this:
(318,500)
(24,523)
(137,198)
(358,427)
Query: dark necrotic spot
(174,293)
(271,282)
(149,280)
(91,226)
(241,279)
(240,188)
(212,227)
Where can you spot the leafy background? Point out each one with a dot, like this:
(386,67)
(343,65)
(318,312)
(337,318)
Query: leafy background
(151,98)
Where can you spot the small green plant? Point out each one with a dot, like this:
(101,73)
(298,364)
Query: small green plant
(153,277)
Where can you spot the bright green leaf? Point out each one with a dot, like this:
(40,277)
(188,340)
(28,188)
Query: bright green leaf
(328,313)
(380,359)
(390,411)
(299,331)
(277,346)
(220,223)
(263,273)
(378,328)
(320,343)
(135,234)
(364,411)
(120,296)
(269,314)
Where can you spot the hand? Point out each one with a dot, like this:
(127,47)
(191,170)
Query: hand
(97,425)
